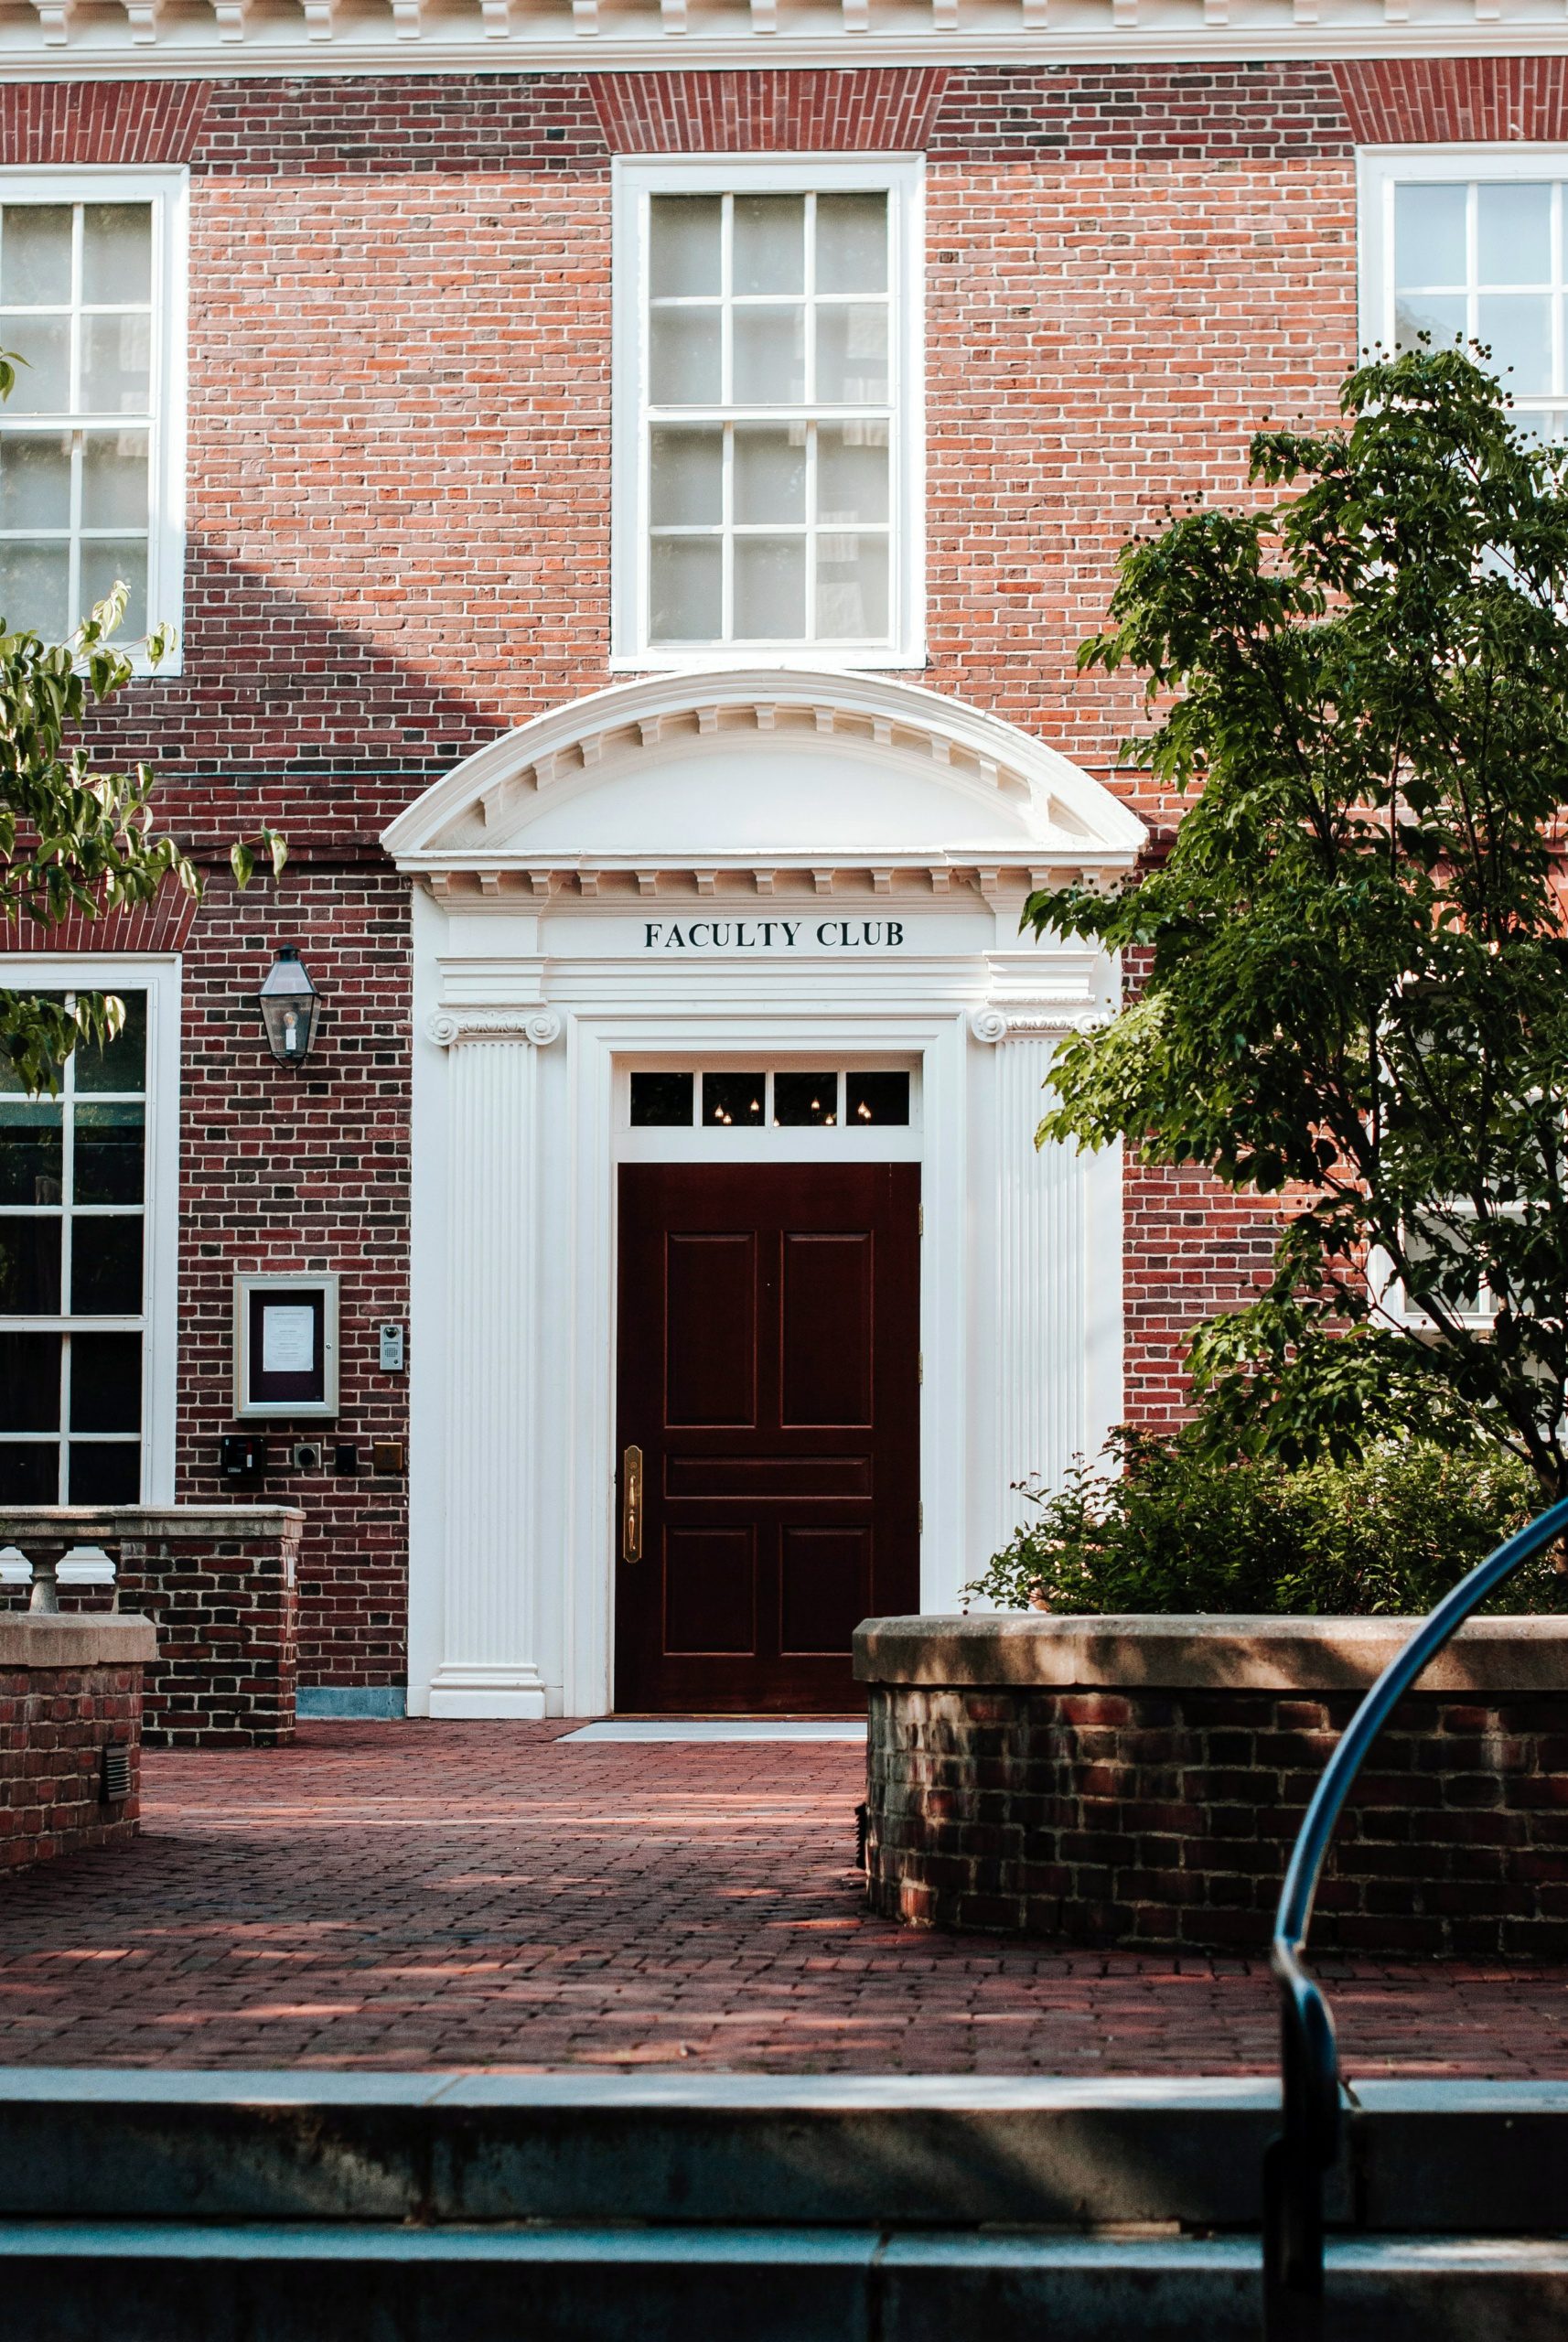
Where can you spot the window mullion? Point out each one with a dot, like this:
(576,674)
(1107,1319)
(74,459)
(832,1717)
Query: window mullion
(726,536)
(727,301)
(68,1170)
(812,531)
(1557,370)
(63,1482)
(74,610)
(67,1197)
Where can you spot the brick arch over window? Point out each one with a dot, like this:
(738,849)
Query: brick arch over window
(885,112)
(163,925)
(1440,100)
(44,123)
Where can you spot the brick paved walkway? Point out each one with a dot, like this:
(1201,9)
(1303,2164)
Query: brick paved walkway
(456,1895)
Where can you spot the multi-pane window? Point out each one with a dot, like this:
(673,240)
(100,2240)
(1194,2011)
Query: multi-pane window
(728,1099)
(85,438)
(1474,255)
(73,1285)
(773,419)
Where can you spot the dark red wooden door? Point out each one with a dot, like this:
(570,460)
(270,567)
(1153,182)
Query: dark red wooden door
(768,1371)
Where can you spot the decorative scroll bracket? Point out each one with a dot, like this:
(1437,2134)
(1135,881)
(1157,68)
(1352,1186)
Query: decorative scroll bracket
(1039,1022)
(537,1027)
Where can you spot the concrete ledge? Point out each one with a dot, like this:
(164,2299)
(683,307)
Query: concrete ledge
(100,1524)
(710,2151)
(1124,1652)
(31,1639)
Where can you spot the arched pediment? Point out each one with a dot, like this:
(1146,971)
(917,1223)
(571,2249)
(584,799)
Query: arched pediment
(743,770)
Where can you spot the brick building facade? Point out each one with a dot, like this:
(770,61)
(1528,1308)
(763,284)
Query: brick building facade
(411,446)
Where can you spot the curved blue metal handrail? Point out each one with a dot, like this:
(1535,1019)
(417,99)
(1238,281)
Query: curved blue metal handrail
(1308,2143)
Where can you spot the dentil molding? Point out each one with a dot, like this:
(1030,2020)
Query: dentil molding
(153,39)
(536,1026)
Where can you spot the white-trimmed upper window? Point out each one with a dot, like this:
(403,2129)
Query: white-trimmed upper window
(769,413)
(92,299)
(1472,243)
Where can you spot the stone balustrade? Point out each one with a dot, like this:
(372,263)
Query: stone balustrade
(219,1582)
(1140,1780)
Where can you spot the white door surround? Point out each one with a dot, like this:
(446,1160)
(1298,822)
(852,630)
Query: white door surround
(751,868)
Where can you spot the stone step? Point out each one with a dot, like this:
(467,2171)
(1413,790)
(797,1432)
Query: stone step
(893,2152)
(176,2282)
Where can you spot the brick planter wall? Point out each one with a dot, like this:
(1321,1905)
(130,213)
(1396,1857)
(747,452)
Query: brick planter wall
(1140,1781)
(220,1584)
(68,1688)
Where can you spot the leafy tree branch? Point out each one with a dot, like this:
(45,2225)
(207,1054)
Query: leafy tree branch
(1357,946)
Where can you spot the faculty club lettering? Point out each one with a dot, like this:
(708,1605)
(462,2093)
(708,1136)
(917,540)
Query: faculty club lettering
(773,935)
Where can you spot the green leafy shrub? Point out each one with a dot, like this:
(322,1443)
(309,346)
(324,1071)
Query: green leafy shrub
(1175,1530)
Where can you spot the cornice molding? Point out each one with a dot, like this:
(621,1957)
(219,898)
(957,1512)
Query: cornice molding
(226,39)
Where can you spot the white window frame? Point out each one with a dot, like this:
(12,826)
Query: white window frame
(634,182)
(839,1141)
(159,975)
(1381,170)
(167,190)
(1387,1289)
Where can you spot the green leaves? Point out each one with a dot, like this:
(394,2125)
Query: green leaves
(1178,1527)
(1355,949)
(242,854)
(74,838)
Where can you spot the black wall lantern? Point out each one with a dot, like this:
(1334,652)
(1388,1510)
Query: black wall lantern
(290,1004)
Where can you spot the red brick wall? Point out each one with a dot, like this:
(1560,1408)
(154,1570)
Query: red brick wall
(306,1170)
(1152,1816)
(227,1614)
(399,515)
(55,1723)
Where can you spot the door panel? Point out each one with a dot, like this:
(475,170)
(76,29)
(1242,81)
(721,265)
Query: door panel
(710,1599)
(710,1328)
(824,1588)
(768,1369)
(825,1341)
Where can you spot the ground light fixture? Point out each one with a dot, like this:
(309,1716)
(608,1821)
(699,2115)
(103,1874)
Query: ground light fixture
(289,1005)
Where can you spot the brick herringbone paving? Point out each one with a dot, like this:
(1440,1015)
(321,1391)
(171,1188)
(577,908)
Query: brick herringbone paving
(476,1895)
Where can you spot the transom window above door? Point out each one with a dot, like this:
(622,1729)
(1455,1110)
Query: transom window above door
(1470,246)
(767,396)
(725,1098)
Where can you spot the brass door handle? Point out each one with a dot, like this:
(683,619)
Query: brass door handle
(632,1505)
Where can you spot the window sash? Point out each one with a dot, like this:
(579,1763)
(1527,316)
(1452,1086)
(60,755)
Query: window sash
(1384,173)
(157,534)
(156,978)
(874,557)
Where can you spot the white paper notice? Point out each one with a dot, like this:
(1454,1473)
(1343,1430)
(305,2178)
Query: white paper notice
(288,1338)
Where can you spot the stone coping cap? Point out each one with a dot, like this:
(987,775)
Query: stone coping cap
(1116,1652)
(75,1639)
(90,1523)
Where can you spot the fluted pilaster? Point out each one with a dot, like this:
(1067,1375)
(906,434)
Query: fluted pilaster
(489,1663)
